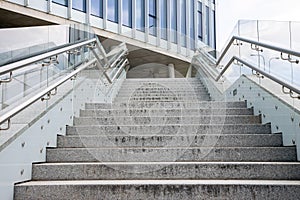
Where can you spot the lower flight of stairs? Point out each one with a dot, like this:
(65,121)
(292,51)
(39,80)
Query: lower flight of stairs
(165,139)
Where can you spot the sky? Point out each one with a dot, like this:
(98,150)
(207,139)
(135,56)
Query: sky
(230,11)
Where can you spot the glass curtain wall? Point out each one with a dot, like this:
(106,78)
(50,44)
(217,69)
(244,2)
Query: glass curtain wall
(207,25)
(191,25)
(183,22)
(61,2)
(152,17)
(112,10)
(140,15)
(127,13)
(200,22)
(174,21)
(163,18)
(97,8)
(79,5)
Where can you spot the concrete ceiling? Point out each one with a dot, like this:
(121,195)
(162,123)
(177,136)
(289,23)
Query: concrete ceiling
(11,19)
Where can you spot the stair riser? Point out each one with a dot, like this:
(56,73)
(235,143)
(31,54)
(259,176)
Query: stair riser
(149,192)
(169,130)
(162,105)
(171,99)
(193,141)
(165,112)
(167,120)
(158,171)
(170,155)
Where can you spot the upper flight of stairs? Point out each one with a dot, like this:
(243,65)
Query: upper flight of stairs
(165,139)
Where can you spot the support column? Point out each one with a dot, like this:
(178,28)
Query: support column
(189,72)
(171,69)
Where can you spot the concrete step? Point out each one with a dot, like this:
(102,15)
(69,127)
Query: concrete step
(159,105)
(141,95)
(183,120)
(162,98)
(164,112)
(151,154)
(157,92)
(167,170)
(159,189)
(163,89)
(242,140)
(169,129)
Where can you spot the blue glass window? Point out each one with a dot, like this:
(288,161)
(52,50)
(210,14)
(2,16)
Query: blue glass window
(174,21)
(183,22)
(61,2)
(140,15)
(152,17)
(112,10)
(192,21)
(127,13)
(200,23)
(163,19)
(79,5)
(97,8)
(207,25)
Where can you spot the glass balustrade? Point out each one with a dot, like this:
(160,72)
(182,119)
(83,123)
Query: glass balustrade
(269,90)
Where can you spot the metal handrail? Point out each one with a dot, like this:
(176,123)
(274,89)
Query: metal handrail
(16,110)
(261,44)
(22,63)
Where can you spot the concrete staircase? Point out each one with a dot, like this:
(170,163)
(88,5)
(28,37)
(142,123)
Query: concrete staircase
(165,139)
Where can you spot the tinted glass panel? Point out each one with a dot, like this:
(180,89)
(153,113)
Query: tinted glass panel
(79,5)
(174,21)
(183,22)
(140,15)
(163,19)
(62,2)
(127,12)
(112,10)
(97,8)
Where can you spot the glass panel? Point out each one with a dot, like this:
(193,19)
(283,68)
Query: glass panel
(207,26)
(112,10)
(152,17)
(163,18)
(140,15)
(79,5)
(174,21)
(183,22)
(97,8)
(127,12)
(61,2)
(40,74)
(192,28)
(200,22)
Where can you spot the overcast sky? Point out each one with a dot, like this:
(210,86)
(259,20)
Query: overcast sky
(230,11)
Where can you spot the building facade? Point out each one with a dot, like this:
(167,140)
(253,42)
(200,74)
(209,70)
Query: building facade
(179,26)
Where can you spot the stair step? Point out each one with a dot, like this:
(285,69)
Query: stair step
(203,104)
(171,154)
(184,120)
(159,189)
(167,170)
(164,112)
(259,140)
(169,129)
(162,98)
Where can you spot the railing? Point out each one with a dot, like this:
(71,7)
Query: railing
(259,47)
(111,69)
(262,71)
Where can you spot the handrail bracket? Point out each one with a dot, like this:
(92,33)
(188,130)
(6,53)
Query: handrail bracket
(256,48)
(6,80)
(289,58)
(7,127)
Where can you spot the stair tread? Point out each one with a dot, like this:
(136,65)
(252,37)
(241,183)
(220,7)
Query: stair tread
(162,182)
